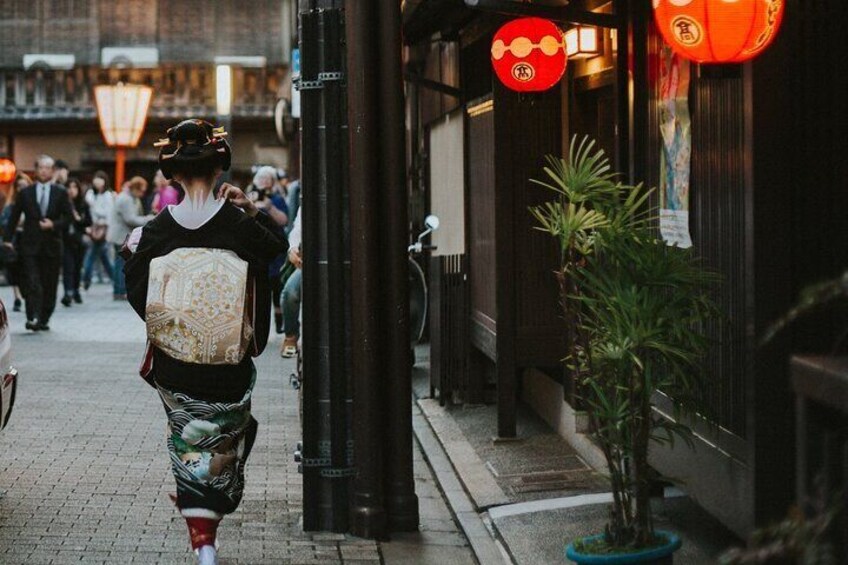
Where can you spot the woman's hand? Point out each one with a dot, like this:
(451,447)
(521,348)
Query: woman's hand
(237,196)
(295,258)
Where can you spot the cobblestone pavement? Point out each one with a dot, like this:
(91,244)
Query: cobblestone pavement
(84,474)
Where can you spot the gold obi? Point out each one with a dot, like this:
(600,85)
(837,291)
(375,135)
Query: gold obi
(198,305)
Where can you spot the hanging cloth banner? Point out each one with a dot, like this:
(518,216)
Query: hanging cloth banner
(675,158)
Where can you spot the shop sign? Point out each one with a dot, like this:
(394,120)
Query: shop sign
(676,154)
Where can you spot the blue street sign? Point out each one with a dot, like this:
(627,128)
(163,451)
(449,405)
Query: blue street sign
(295,62)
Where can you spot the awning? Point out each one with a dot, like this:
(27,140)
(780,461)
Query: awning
(424,18)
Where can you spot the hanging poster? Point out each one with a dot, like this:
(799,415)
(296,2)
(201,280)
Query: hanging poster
(675,157)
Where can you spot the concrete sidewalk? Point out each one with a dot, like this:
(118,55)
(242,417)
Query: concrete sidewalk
(536,494)
(84,474)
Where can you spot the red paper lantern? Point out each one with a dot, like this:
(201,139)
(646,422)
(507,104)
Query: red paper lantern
(528,54)
(7,171)
(718,31)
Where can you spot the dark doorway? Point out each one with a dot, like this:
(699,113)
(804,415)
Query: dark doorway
(592,112)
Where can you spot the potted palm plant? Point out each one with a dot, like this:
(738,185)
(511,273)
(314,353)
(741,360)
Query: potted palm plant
(589,200)
(636,307)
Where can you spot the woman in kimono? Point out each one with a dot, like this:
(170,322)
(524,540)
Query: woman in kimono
(207,403)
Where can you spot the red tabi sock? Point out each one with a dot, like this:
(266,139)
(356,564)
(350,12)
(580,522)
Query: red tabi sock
(202,531)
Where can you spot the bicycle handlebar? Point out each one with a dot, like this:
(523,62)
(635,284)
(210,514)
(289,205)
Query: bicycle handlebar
(419,247)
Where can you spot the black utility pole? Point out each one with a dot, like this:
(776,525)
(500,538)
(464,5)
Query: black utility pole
(355,274)
(368,510)
(383,491)
(327,446)
(401,501)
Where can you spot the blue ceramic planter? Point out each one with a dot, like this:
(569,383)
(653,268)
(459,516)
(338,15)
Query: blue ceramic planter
(656,555)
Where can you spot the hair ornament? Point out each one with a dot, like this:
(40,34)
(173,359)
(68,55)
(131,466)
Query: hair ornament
(193,141)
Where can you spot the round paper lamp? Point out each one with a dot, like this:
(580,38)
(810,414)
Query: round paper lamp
(7,171)
(528,54)
(718,31)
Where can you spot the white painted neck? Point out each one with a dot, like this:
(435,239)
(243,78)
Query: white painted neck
(197,208)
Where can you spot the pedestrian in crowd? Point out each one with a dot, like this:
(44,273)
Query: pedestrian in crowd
(283,184)
(127,214)
(293,201)
(283,188)
(100,200)
(22,180)
(165,194)
(146,200)
(74,249)
(60,176)
(210,428)
(47,213)
(265,191)
(267,195)
(292,292)
(13,268)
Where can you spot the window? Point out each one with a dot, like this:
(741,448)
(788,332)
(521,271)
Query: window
(19,9)
(67,9)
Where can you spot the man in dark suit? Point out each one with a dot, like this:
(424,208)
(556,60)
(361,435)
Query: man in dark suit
(47,213)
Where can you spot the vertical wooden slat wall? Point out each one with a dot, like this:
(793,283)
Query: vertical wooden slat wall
(480,177)
(800,204)
(717,221)
(717,199)
(449,331)
(717,472)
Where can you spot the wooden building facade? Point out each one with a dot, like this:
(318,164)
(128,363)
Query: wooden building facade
(53,53)
(767,211)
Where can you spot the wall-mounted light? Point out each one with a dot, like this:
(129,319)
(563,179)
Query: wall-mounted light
(582,42)
(223,89)
(244,61)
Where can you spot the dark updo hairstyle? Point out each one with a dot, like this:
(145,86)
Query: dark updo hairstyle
(194,149)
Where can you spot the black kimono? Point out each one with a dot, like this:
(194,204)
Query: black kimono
(256,241)
(210,427)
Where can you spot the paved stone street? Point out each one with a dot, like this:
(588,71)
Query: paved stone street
(84,476)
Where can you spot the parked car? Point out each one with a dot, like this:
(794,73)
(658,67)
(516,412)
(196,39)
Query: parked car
(9,382)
